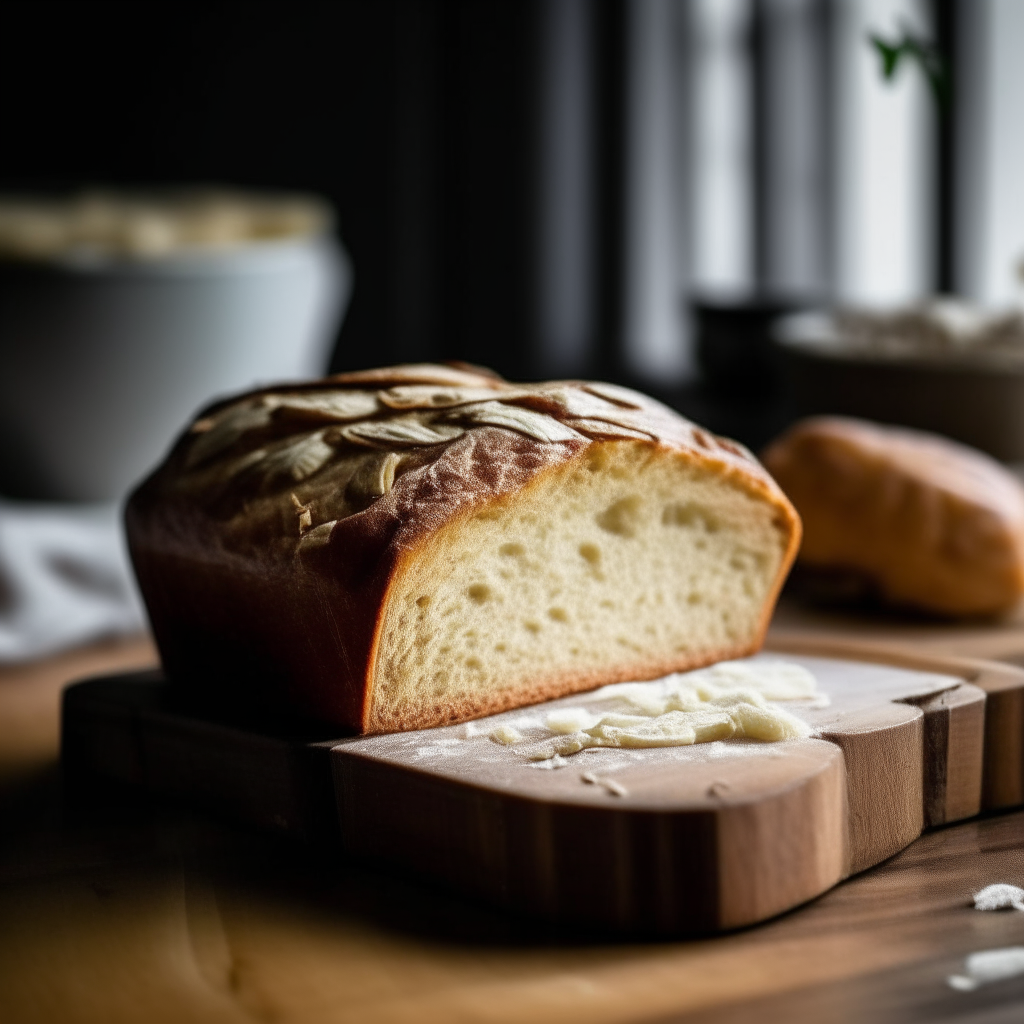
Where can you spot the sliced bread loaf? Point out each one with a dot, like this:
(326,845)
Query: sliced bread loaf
(400,548)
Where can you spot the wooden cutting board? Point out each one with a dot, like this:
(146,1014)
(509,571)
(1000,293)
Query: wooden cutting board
(672,840)
(999,639)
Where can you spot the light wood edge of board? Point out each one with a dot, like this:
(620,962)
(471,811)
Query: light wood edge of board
(883,752)
(722,860)
(973,739)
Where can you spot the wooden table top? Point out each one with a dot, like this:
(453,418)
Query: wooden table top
(120,912)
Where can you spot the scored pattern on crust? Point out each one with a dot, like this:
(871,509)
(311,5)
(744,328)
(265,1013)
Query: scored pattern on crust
(358,432)
(417,415)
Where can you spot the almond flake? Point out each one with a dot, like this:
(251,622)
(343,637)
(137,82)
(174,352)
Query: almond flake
(615,393)
(432,396)
(537,425)
(248,460)
(330,406)
(403,430)
(227,428)
(417,373)
(374,478)
(299,459)
(316,538)
(572,401)
(609,428)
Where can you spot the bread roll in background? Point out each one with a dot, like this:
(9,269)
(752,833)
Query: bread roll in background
(405,547)
(931,524)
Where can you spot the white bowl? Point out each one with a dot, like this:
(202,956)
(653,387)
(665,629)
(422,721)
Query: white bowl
(103,360)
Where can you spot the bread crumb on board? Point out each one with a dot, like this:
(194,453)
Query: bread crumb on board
(988,965)
(999,896)
(507,735)
(731,699)
(610,786)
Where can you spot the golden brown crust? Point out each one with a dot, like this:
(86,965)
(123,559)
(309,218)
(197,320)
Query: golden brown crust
(931,523)
(453,710)
(267,542)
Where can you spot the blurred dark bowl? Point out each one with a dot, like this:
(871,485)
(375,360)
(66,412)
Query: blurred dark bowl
(973,397)
(735,352)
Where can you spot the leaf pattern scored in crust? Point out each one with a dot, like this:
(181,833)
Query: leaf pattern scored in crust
(402,408)
(361,431)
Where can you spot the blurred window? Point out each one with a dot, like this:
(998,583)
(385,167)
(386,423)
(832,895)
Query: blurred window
(767,156)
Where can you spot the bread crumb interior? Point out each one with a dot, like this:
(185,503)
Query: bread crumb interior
(628,562)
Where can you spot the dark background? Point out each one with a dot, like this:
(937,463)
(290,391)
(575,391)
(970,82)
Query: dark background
(421,121)
(416,118)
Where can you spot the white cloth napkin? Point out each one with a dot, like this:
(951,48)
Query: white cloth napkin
(65,578)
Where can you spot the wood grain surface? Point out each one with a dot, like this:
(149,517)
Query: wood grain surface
(122,912)
(1003,721)
(669,840)
(1000,639)
(30,696)
(954,745)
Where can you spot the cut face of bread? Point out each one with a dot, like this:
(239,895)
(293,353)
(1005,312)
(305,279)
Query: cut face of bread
(628,562)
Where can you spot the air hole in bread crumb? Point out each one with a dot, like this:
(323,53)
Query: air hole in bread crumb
(423,601)
(474,663)
(694,598)
(591,553)
(558,614)
(621,517)
(512,549)
(533,627)
(691,515)
(479,592)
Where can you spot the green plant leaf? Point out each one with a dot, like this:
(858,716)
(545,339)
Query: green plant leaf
(922,52)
